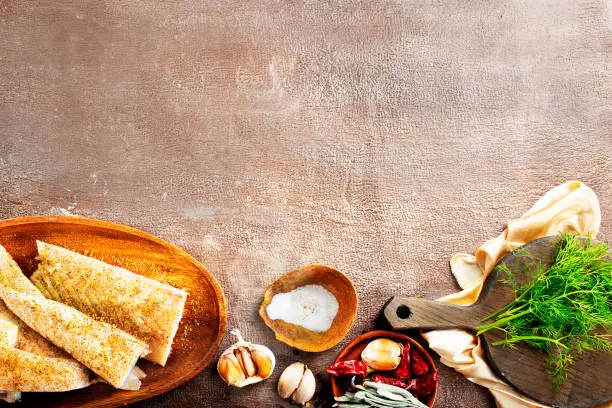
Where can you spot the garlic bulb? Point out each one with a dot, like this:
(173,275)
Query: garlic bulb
(382,354)
(245,363)
(297,383)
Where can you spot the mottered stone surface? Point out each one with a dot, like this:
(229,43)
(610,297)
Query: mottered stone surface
(377,137)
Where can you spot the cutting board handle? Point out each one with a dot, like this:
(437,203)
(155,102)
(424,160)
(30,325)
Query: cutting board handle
(413,313)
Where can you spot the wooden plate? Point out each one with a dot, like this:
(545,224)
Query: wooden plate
(297,336)
(353,352)
(201,329)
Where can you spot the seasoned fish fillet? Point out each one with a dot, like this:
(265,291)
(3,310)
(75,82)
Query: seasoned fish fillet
(8,333)
(143,307)
(30,341)
(28,372)
(12,277)
(8,340)
(56,370)
(109,352)
(23,371)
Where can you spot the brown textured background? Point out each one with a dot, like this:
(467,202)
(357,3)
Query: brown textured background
(377,137)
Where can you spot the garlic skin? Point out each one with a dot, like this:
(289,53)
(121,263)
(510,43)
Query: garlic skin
(290,380)
(245,363)
(297,383)
(306,389)
(382,354)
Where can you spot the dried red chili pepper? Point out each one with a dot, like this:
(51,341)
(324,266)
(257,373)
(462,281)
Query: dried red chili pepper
(403,369)
(418,364)
(348,367)
(423,386)
(388,380)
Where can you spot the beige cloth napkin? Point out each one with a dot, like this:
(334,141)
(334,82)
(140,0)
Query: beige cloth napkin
(570,207)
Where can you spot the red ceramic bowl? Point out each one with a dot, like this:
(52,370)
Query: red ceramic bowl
(353,352)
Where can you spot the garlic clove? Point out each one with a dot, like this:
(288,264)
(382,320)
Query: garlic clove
(263,362)
(298,383)
(230,370)
(290,380)
(246,362)
(382,354)
(305,391)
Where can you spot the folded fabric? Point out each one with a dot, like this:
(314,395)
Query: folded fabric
(570,207)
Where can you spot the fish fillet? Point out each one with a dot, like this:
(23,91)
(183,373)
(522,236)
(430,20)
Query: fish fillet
(8,333)
(27,352)
(22,371)
(143,307)
(109,352)
(12,277)
(28,372)
(8,340)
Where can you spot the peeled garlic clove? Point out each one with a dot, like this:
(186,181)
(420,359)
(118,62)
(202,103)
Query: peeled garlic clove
(229,369)
(298,383)
(290,380)
(262,361)
(382,354)
(245,363)
(306,389)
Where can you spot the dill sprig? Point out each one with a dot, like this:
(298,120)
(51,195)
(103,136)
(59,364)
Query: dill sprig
(564,310)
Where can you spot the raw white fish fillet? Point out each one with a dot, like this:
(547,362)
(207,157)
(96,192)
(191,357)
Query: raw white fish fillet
(109,352)
(28,362)
(143,307)
(28,372)
(12,277)
(8,333)
(10,396)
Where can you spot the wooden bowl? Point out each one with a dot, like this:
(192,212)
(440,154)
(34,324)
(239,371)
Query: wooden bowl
(297,336)
(201,329)
(353,352)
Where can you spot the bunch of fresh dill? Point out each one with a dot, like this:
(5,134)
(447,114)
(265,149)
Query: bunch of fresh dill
(565,309)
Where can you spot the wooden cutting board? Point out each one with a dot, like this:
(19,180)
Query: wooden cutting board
(590,379)
(201,329)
